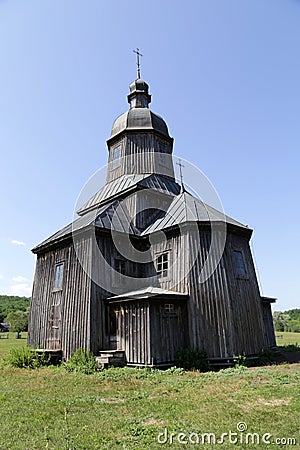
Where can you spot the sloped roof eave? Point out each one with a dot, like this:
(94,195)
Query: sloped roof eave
(147,293)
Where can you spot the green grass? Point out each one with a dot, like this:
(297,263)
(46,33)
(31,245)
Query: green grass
(127,408)
(7,344)
(287,338)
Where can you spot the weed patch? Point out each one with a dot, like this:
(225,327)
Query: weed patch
(26,357)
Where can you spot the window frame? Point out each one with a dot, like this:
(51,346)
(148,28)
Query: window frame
(237,267)
(169,308)
(58,276)
(163,272)
(116,162)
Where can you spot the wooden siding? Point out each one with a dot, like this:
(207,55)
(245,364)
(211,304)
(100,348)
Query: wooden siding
(148,334)
(176,245)
(60,319)
(141,153)
(168,331)
(133,332)
(225,316)
(225,312)
(269,325)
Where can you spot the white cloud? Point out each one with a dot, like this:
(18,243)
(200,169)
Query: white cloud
(15,242)
(19,279)
(21,289)
(1,277)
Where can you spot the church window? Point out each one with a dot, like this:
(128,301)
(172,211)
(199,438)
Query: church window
(239,263)
(162,263)
(59,270)
(116,156)
(169,307)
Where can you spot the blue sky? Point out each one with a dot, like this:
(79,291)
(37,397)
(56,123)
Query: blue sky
(225,76)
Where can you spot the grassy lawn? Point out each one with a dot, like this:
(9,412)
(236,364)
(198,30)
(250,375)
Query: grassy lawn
(127,408)
(284,338)
(11,341)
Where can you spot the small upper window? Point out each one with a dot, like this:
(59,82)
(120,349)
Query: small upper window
(169,307)
(239,263)
(116,156)
(163,265)
(59,270)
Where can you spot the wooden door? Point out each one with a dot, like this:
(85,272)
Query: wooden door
(113,320)
(168,330)
(54,327)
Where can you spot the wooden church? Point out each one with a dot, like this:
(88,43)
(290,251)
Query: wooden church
(126,276)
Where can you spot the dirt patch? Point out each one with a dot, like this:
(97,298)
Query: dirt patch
(153,423)
(261,402)
(274,402)
(112,400)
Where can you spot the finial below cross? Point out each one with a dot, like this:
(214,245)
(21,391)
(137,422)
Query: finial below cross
(138,54)
(179,163)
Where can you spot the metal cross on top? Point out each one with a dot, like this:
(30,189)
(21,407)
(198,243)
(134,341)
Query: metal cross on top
(138,54)
(179,163)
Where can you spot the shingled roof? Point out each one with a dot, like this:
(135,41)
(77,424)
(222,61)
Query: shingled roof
(183,209)
(187,208)
(128,183)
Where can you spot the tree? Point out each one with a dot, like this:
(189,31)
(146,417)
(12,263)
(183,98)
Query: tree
(18,321)
(281,321)
(294,326)
(287,320)
(9,303)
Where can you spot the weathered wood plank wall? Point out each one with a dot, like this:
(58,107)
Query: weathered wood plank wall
(225,312)
(142,153)
(68,309)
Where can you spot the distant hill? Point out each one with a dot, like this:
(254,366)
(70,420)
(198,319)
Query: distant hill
(10,303)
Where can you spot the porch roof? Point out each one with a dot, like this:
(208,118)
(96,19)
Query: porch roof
(269,299)
(146,293)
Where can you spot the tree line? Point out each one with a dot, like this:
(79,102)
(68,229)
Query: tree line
(287,320)
(15,310)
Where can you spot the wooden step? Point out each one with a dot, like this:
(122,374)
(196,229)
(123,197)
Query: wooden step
(108,358)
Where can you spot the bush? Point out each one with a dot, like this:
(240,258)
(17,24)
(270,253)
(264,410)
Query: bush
(190,359)
(290,347)
(82,361)
(266,357)
(240,360)
(26,357)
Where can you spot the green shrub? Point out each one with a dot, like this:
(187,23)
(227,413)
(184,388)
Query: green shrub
(82,361)
(231,371)
(190,359)
(175,371)
(266,357)
(290,347)
(26,357)
(240,360)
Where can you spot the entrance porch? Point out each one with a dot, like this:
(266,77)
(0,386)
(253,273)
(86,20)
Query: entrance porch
(150,326)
